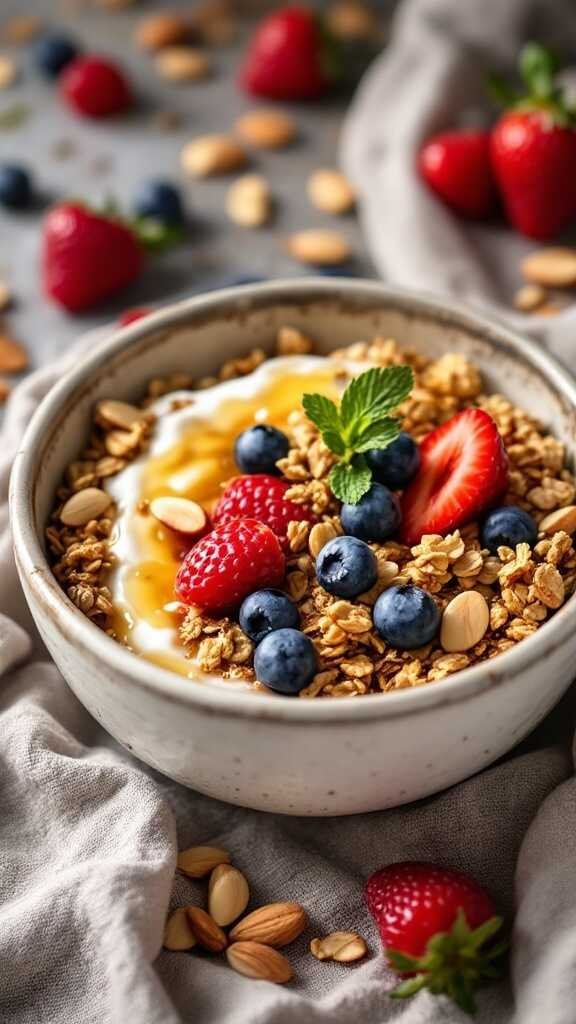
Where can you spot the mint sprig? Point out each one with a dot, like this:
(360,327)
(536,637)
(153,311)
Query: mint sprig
(362,421)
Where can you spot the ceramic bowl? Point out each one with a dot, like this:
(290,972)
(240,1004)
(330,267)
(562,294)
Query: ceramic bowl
(319,757)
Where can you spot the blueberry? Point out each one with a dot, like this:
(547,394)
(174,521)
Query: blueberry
(375,517)
(406,617)
(265,611)
(258,449)
(507,527)
(15,186)
(160,200)
(346,567)
(285,661)
(53,52)
(397,464)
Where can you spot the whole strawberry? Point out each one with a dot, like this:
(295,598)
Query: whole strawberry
(95,87)
(533,149)
(87,256)
(286,58)
(457,167)
(230,562)
(436,925)
(261,497)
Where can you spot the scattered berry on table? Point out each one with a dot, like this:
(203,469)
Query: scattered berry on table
(160,200)
(419,908)
(507,527)
(346,567)
(286,56)
(285,661)
(229,563)
(463,471)
(456,166)
(15,187)
(95,87)
(263,497)
(376,517)
(396,465)
(130,316)
(53,52)
(265,611)
(258,449)
(406,617)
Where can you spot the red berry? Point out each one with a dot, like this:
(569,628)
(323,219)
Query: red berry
(262,497)
(463,471)
(86,257)
(456,166)
(285,59)
(229,563)
(130,316)
(95,87)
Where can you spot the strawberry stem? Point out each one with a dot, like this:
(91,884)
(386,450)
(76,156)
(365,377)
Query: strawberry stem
(539,67)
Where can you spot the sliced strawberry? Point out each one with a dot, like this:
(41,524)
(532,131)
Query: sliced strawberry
(463,470)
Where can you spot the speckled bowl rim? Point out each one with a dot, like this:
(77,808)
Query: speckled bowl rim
(214,700)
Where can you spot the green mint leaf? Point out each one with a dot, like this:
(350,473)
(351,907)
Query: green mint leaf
(350,480)
(373,395)
(323,412)
(378,434)
(538,67)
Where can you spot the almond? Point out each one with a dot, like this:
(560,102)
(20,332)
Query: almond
(266,129)
(199,861)
(529,297)
(182,64)
(561,519)
(248,202)
(21,28)
(177,933)
(212,154)
(330,191)
(12,356)
(85,505)
(122,415)
(349,19)
(159,30)
(551,268)
(344,947)
(257,961)
(5,295)
(228,894)
(179,514)
(319,535)
(464,622)
(8,72)
(205,930)
(276,924)
(319,246)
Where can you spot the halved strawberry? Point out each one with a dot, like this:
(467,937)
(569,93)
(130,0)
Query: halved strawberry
(463,470)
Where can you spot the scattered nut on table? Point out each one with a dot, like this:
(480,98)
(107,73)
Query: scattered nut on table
(182,64)
(529,297)
(259,962)
(330,191)
(266,129)
(344,947)
(8,72)
(249,201)
(551,268)
(159,30)
(207,155)
(319,246)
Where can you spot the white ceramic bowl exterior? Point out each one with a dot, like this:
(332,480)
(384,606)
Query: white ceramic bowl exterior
(318,757)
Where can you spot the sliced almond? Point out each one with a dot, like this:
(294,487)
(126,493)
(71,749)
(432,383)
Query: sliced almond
(122,415)
(159,30)
(248,202)
(275,924)
(178,933)
(464,622)
(319,246)
(551,268)
(562,519)
(266,129)
(319,535)
(228,894)
(121,442)
(290,341)
(13,357)
(344,947)
(179,514)
(212,154)
(8,72)
(330,191)
(199,861)
(529,297)
(182,64)
(254,960)
(85,505)
(205,930)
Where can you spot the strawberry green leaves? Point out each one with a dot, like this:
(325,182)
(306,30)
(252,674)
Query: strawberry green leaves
(362,422)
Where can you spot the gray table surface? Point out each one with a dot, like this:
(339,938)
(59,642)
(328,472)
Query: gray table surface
(111,157)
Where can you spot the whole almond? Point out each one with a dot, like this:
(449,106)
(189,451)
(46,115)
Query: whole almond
(319,246)
(159,30)
(319,535)
(111,413)
(260,962)
(212,154)
(330,191)
(561,519)
(177,933)
(275,924)
(199,861)
(266,129)
(179,514)
(551,268)
(228,894)
(248,202)
(205,930)
(529,297)
(13,357)
(464,622)
(344,947)
(85,505)
(349,19)
(182,64)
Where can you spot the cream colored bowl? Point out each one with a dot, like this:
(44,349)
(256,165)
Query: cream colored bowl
(299,757)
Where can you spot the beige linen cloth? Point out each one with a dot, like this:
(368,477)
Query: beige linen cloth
(88,836)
